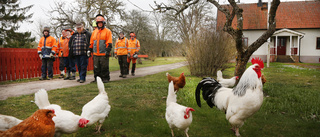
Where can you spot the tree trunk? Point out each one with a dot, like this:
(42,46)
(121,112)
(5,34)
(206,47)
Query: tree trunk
(241,63)
(245,54)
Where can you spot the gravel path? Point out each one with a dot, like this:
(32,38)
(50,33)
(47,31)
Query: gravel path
(18,89)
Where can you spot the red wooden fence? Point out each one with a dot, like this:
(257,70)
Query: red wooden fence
(19,63)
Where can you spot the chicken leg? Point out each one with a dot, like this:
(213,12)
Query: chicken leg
(172,133)
(98,127)
(186,131)
(237,132)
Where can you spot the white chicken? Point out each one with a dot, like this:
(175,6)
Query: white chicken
(228,83)
(65,121)
(239,103)
(177,116)
(98,108)
(7,122)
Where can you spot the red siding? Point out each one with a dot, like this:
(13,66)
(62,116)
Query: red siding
(18,63)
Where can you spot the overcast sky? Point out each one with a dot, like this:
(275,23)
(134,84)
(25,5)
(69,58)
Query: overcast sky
(40,6)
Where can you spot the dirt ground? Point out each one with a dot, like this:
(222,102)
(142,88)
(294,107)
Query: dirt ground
(18,89)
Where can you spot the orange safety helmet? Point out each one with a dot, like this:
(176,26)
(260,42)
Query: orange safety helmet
(132,34)
(100,19)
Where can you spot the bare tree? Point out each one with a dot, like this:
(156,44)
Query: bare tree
(243,53)
(187,23)
(64,14)
(110,9)
(139,23)
(40,24)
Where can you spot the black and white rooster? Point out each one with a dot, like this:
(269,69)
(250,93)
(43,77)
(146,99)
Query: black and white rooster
(238,103)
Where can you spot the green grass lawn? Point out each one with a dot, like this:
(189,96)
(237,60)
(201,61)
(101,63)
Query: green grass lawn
(290,107)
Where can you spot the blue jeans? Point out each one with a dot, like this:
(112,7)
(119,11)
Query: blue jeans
(82,63)
(69,64)
(47,64)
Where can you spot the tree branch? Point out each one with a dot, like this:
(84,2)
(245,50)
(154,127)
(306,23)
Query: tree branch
(163,8)
(229,17)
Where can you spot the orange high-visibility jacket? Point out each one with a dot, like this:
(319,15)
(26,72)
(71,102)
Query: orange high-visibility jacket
(47,45)
(121,47)
(65,47)
(60,45)
(100,40)
(134,46)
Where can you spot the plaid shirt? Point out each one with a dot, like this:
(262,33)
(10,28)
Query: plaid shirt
(79,44)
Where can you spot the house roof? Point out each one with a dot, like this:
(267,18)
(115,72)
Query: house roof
(291,15)
(289,31)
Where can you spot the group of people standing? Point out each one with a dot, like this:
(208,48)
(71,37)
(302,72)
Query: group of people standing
(74,48)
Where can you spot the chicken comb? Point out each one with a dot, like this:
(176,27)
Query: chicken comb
(258,61)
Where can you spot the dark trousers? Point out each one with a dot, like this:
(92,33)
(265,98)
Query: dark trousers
(47,64)
(61,64)
(82,63)
(69,64)
(101,67)
(122,59)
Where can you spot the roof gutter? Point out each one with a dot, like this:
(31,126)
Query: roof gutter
(300,47)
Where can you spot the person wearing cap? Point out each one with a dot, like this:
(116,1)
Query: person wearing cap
(78,47)
(133,49)
(60,53)
(121,51)
(69,64)
(46,49)
(100,46)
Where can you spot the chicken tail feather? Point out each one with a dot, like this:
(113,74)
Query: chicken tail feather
(100,85)
(172,97)
(41,99)
(209,87)
(219,75)
(198,93)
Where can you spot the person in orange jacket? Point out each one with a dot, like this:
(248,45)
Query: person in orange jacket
(69,64)
(46,49)
(133,50)
(60,53)
(100,46)
(121,51)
